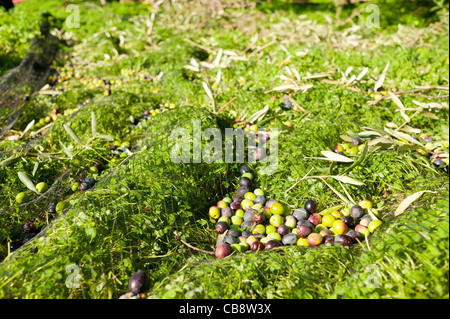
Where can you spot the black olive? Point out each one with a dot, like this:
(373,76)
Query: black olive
(139,282)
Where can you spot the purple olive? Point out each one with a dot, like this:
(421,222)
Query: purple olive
(139,282)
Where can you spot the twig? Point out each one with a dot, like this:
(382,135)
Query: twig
(225,105)
(416,90)
(199,45)
(190,246)
(287,190)
(262,48)
(296,104)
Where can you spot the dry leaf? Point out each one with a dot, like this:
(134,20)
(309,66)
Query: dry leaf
(408,201)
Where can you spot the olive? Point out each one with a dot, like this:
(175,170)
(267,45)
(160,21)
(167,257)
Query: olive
(287,104)
(304,228)
(310,206)
(328,220)
(229,239)
(22,198)
(51,208)
(246,226)
(374,224)
(221,227)
(28,228)
(139,282)
(315,219)
(237,199)
(356,211)
(259,229)
(246,233)
(277,209)
(41,187)
(328,239)
(223,250)
(245,181)
(14,245)
(259,218)
(289,239)
(356,141)
(260,199)
(256,245)
(283,230)
(244,169)
(234,232)
(365,220)
(270,202)
(226,211)
(259,154)
(355,236)
(235,206)
(439,163)
(339,227)
(242,191)
(301,214)
(272,244)
(214,212)
(250,215)
(349,221)
(315,239)
(343,240)
(29,237)
(61,206)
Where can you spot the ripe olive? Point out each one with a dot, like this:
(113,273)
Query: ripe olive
(356,211)
(310,206)
(139,282)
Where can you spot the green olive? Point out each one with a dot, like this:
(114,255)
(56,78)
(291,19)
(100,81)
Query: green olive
(42,187)
(22,198)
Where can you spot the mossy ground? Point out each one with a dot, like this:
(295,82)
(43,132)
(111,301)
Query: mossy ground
(150,55)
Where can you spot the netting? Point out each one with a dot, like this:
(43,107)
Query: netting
(147,211)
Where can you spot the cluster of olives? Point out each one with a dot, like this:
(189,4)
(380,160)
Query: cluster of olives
(438,158)
(251,221)
(61,77)
(379,93)
(135,120)
(29,231)
(262,136)
(354,147)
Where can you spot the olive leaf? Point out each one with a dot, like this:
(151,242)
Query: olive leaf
(208,92)
(8,161)
(347,180)
(382,77)
(72,134)
(94,124)
(408,201)
(106,137)
(36,166)
(27,181)
(66,150)
(332,156)
(30,125)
